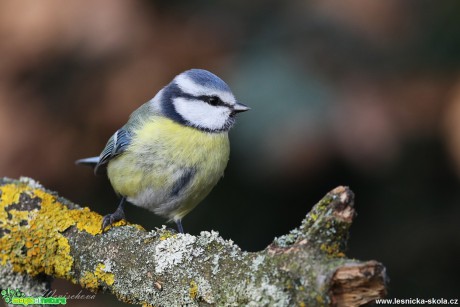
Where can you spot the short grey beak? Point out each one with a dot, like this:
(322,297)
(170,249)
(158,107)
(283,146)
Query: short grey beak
(239,107)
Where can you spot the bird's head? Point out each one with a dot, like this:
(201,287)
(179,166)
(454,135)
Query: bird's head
(200,99)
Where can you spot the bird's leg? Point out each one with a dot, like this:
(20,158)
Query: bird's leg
(118,215)
(179,226)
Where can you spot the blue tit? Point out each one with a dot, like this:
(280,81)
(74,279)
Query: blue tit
(173,149)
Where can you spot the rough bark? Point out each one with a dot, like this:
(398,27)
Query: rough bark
(42,234)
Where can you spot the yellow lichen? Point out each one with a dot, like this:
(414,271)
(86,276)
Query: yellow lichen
(89,281)
(38,245)
(193,290)
(93,281)
(332,250)
(166,235)
(320,300)
(103,275)
(313,216)
(137,226)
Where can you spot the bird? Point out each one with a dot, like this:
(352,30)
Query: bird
(173,149)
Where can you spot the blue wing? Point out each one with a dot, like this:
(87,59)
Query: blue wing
(116,145)
(119,141)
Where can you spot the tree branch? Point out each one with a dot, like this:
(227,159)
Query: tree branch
(43,234)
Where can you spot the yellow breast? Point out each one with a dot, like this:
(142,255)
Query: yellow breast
(159,150)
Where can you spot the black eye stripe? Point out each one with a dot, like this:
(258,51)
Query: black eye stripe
(213,100)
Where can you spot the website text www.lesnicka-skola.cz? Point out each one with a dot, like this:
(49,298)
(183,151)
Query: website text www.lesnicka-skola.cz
(417,301)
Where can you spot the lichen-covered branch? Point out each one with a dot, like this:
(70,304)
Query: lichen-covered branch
(43,234)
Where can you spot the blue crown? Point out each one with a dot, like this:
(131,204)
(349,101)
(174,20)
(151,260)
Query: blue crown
(207,79)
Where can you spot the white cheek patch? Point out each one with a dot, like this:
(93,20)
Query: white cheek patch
(200,114)
(188,86)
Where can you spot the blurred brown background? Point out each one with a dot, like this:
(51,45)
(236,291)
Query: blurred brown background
(360,93)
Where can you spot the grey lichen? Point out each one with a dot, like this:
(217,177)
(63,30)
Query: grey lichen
(288,239)
(215,264)
(30,182)
(265,293)
(205,290)
(173,251)
(257,261)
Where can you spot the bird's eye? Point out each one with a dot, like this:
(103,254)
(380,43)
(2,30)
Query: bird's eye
(214,100)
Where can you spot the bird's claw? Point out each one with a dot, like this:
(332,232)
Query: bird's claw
(111,219)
